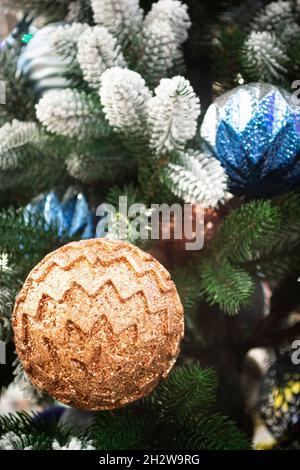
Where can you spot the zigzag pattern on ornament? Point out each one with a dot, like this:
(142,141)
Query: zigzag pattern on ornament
(83,309)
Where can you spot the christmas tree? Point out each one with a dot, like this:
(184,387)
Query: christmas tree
(166,103)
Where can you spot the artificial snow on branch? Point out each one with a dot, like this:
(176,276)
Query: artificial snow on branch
(197,178)
(274,14)
(16,134)
(172,115)
(71,113)
(74,444)
(175,13)
(13,138)
(158,50)
(122,17)
(124,96)
(264,56)
(64,40)
(13,441)
(278,17)
(98,51)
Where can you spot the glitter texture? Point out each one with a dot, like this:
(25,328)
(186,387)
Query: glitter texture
(254,130)
(71,216)
(97,324)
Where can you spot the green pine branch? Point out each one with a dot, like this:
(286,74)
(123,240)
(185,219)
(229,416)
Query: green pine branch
(124,429)
(25,238)
(104,161)
(177,416)
(248,230)
(226,285)
(188,391)
(226,54)
(20,100)
(213,432)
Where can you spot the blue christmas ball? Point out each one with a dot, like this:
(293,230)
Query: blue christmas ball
(254,131)
(71,214)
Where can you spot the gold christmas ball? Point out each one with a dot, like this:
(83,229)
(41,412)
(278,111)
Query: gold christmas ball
(97,324)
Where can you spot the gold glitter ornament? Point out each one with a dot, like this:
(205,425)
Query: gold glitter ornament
(97,324)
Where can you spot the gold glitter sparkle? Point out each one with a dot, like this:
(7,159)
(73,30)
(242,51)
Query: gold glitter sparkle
(97,324)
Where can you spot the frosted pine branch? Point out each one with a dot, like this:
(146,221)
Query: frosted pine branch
(158,50)
(172,115)
(277,17)
(64,39)
(124,96)
(13,138)
(73,444)
(17,134)
(98,51)
(175,13)
(88,167)
(14,441)
(264,56)
(122,17)
(71,113)
(11,441)
(197,178)
(270,17)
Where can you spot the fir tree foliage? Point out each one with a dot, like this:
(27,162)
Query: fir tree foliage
(64,39)
(25,239)
(108,161)
(244,237)
(24,154)
(157,45)
(265,57)
(10,283)
(19,99)
(275,17)
(124,95)
(260,48)
(173,12)
(98,51)
(121,17)
(71,113)
(184,400)
(16,144)
(113,69)
(130,111)
(121,60)
(172,115)
(196,178)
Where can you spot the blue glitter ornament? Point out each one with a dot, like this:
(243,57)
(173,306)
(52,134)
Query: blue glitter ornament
(254,131)
(71,216)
